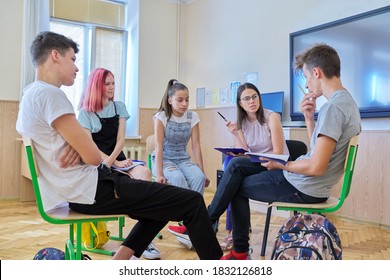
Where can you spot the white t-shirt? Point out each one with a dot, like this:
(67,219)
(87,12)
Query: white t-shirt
(41,104)
(161,116)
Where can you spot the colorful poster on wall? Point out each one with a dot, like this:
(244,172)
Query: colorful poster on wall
(233,91)
(216,97)
(200,97)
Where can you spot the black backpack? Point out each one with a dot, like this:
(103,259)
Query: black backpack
(307,237)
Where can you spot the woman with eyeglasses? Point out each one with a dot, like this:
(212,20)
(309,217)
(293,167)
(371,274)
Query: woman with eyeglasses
(257,129)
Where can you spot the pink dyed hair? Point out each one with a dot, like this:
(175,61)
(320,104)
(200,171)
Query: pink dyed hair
(93,97)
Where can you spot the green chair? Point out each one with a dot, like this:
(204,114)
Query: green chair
(64,215)
(332,204)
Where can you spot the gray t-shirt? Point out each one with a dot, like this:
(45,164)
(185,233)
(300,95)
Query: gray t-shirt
(338,119)
(43,103)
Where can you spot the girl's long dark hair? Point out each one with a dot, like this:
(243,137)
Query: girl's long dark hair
(172,87)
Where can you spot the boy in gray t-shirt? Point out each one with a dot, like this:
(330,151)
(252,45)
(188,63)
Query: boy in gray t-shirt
(310,178)
(340,121)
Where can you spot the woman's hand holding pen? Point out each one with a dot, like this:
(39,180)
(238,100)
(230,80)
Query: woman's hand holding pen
(232,128)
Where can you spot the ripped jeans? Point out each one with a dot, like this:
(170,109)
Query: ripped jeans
(184,174)
(244,180)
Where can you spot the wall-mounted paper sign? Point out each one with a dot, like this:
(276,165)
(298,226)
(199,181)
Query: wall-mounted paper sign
(253,78)
(233,91)
(200,97)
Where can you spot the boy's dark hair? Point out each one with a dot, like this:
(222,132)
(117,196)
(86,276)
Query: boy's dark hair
(47,41)
(322,56)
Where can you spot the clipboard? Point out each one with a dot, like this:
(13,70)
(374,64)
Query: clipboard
(229,150)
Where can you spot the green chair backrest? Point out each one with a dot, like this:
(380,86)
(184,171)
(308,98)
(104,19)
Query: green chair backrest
(349,168)
(34,177)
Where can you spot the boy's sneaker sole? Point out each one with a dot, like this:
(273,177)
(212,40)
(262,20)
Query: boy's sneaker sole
(181,235)
(151,253)
(185,242)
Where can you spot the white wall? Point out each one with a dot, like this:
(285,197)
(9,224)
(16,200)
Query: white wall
(223,39)
(11,15)
(157,50)
(220,41)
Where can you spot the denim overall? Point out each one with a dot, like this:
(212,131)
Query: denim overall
(178,168)
(105,139)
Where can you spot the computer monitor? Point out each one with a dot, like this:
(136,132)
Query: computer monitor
(273,101)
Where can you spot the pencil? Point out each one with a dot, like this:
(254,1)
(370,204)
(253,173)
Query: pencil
(222,116)
(303,91)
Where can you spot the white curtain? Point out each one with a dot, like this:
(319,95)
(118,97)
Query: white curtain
(131,96)
(35,19)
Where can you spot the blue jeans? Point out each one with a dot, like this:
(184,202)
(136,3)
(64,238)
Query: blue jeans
(244,180)
(184,174)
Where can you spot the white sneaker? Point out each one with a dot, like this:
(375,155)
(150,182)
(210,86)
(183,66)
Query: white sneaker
(185,242)
(151,252)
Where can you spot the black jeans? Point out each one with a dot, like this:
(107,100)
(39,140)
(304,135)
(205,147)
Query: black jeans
(153,205)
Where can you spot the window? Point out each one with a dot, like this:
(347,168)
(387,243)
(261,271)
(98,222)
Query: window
(98,27)
(77,33)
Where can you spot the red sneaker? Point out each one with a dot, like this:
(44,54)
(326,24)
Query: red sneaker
(233,255)
(180,231)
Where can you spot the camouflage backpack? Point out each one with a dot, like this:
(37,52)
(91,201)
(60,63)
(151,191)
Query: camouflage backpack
(50,254)
(54,254)
(307,237)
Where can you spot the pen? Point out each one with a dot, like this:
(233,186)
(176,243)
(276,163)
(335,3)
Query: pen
(303,91)
(222,117)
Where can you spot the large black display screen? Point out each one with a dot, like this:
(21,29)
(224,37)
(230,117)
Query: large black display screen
(363,44)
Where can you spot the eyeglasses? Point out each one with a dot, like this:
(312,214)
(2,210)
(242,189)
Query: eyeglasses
(247,99)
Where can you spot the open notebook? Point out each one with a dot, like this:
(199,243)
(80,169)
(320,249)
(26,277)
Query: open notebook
(127,168)
(255,157)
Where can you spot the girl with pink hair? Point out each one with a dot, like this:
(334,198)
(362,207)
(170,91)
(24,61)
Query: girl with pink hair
(105,120)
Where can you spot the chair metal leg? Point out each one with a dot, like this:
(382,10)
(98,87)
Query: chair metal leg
(266,229)
(78,247)
(121,224)
(69,250)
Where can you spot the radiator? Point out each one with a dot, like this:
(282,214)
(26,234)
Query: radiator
(133,152)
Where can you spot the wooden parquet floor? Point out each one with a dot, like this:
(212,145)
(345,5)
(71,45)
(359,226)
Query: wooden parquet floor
(23,233)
